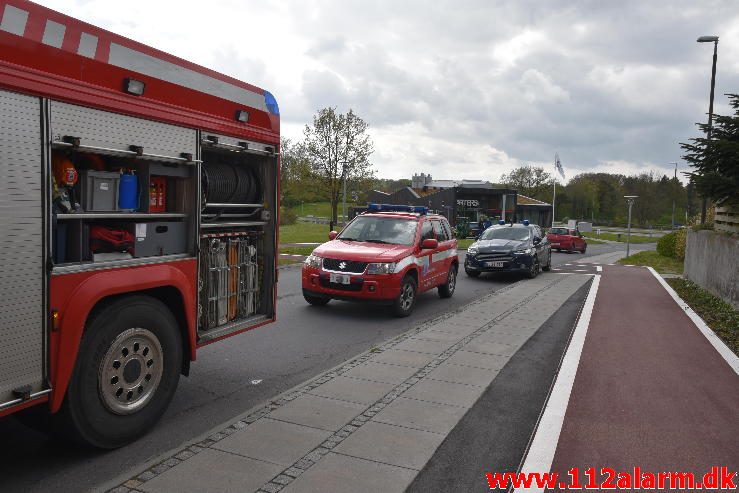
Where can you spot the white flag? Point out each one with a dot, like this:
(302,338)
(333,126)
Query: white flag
(558,165)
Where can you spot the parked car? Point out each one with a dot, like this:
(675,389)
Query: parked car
(387,255)
(567,239)
(509,248)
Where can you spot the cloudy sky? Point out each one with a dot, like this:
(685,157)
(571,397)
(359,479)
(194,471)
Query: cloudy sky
(465,89)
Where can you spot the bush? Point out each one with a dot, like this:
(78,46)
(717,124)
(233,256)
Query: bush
(287,216)
(666,245)
(681,238)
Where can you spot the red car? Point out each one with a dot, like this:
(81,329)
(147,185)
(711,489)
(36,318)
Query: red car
(567,239)
(387,255)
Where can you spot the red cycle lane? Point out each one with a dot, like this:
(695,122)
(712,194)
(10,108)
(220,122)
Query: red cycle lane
(650,390)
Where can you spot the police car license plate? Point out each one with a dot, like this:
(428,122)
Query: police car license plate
(340,278)
(495,264)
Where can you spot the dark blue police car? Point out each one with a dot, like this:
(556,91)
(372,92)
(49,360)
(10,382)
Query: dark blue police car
(509,248)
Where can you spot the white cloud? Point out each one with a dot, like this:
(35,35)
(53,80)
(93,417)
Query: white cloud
(464,90)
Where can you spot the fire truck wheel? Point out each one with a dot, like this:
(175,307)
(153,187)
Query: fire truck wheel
(446,290)
(127,371)
(316,300)
(404,303)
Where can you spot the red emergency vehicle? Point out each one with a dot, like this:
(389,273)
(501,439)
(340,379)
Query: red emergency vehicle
(387,255)
(138,211)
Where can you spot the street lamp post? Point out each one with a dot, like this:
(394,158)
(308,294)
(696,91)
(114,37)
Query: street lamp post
(630,199)
(714,40)
(673,197)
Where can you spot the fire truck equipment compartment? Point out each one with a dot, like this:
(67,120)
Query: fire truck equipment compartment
(231,268)
(99,190)
(159,238)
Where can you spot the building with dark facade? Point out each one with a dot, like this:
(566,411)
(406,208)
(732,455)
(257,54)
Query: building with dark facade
(473,200)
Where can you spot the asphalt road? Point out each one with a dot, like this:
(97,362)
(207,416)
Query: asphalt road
(233,376)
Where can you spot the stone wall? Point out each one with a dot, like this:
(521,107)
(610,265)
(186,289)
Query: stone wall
(712,261)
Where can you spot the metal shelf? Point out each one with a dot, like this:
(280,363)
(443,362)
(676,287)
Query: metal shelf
(233,206)
(120,215)
(232,224)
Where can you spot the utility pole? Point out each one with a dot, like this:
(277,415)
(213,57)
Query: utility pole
(714,40)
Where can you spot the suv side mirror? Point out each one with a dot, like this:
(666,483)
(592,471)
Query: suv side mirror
(332,235)
(537,240)
(430,244)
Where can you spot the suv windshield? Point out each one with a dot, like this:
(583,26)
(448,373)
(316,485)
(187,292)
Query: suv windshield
(392,230)
(506,233)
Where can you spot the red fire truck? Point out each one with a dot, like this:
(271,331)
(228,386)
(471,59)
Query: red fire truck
(138,211)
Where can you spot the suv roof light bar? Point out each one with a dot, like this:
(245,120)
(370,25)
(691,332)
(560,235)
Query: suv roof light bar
(417,209)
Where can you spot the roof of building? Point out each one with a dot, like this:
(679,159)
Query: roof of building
(524,200)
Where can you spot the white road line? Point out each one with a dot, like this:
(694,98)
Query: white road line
(581,270)
(541,452)
(726,353)
(599,268)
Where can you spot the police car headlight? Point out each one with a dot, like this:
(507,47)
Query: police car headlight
(381,268)
(527,251)
(314,261)
(472,251)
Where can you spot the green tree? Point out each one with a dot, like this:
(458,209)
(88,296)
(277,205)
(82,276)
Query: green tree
(338,148)
(716,160)
(298,183)
(531,181)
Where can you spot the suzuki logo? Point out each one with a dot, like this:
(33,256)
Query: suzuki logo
(342,265)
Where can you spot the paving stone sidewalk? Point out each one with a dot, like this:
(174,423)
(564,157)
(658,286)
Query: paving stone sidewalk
(372,423)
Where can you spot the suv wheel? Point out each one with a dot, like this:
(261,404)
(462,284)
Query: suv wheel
(446,290)
(404,303)
(534,269)
(549,262)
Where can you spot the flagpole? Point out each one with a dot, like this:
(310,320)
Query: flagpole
(554,195)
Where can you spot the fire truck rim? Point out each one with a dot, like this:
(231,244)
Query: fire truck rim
(130,371)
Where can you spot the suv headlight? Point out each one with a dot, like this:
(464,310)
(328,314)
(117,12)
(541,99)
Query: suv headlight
(527,251)
(314,261)
(381,268)
(472,251)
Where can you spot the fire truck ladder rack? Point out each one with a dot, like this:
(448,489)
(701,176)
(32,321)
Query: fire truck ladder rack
(231,268)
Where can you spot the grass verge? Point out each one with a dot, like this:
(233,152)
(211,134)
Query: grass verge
(650,258)
(304,233)
(621,238)
(719,315)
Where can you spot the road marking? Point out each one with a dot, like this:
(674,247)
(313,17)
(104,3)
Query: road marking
(581,270)
(599,268)
(541,451)
(726,353)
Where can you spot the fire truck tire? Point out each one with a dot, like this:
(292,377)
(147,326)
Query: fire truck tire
(126,373)
(316,300)
(404,303)
(446,290)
